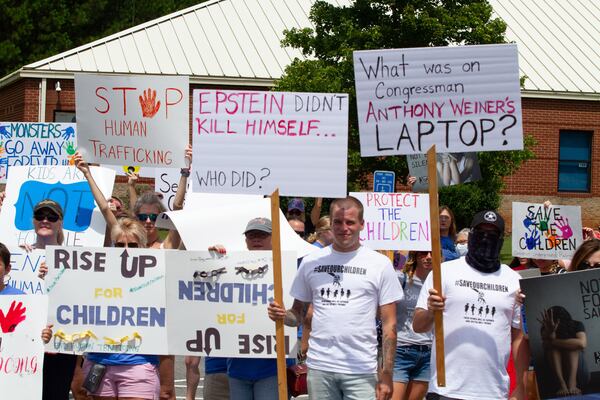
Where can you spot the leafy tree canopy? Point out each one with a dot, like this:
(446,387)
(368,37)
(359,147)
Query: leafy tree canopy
(372,24)
(35,29)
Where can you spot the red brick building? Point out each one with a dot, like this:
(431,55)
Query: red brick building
(223,43)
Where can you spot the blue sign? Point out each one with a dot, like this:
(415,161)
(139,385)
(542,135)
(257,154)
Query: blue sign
(384,181)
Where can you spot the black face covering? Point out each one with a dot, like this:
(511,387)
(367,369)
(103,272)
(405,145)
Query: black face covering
(484,250)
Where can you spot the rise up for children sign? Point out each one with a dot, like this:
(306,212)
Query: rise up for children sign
(462,99)
(254,142)
(133,120)
(35,143)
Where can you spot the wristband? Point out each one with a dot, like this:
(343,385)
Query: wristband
(185,172)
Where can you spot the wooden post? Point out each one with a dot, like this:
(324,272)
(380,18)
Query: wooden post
(279,328)
(436,259)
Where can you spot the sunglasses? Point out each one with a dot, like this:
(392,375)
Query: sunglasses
(144,217)
(126,244)
(50,216)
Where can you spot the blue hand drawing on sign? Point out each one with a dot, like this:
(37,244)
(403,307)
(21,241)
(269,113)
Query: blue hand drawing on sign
(68,132)
(76,200)
(4,134)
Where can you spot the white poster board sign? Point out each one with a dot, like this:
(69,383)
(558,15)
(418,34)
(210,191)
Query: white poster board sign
(133,120)
(119,305)
(166,182)
(395,221)
(462,99)
(550,233)
(452,169)
(210,219)
(24,270)
(22,350)
(254,142)
(221,312)
(35,143)
(83,223)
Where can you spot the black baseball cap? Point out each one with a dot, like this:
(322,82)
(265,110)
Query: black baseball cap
(488,217)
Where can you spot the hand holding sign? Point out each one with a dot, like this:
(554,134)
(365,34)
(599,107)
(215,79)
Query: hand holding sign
(149,104)
(14,316)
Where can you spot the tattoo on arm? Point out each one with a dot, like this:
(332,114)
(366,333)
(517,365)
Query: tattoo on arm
(389,350)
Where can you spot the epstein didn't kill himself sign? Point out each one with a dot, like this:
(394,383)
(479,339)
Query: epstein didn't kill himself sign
(119,305)
(254,142)
(133,120)
(552,233)
(462,99)
(35,143)
(395,221)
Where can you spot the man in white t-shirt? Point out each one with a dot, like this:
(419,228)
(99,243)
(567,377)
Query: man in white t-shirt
(346,284)
(481,317)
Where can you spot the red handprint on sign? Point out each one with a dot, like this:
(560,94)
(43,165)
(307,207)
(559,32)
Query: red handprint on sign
(14,316)
(149,104)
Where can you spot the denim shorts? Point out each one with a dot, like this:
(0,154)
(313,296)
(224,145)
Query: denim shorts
(412,363)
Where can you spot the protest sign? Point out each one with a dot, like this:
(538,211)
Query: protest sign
(550,233)
(563,323)
(452,169)
(35,143)
(462,99)
(24,269)
(22,319)
(208,219)
(83,223)
(253,142)
(395,221)
(221,304)
(119,305)
(133,120)
(166,182)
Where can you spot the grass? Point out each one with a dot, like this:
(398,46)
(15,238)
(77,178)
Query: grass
(506,251)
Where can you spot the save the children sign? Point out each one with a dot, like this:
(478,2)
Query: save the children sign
(462,99)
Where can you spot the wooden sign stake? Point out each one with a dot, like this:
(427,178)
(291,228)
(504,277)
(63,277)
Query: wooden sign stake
(279,328)
(436,259)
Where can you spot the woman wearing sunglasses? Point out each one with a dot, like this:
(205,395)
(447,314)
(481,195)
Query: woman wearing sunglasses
(132,376)
(147,207)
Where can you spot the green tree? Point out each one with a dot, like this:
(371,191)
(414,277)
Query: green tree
(35,29)
(371,24)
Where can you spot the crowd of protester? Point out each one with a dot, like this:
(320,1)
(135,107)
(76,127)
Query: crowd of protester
(338,336)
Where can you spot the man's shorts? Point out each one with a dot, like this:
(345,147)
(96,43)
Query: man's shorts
(139,381)
(412,363)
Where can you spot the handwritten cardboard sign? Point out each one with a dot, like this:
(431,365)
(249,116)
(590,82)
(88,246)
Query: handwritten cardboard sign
(253,142)
(462,99)
(221,304)
(35,143)
(570,301)
(549,233)
(21,347)
(24,270)
(119,304)
(83,224)
(133,120)
(395,221)
(123,170)
(452,169)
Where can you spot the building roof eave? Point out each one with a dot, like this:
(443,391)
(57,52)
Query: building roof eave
(554,95)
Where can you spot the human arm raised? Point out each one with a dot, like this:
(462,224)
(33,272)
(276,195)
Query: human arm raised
(315,213)
(173,238)
(99,197)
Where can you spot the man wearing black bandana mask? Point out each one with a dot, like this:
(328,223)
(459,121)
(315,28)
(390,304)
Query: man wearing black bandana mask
(481,318)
